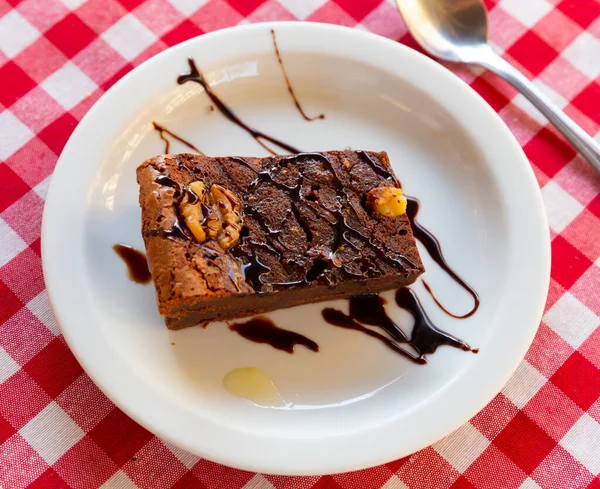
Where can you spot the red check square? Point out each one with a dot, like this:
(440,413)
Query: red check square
(492,96)
(189,481)
(568,263)
(578,379)
(6,430)
(358,10)
(462,483)
(245,7)
(131,4)
(10,303)
(119,436)
(49,480)
(524,442)
(53,359)
(71,35)
(57,134)
(549,152)
(588,101)
(584,12)
(326,482)
(532,53)
(15,83)
(184,31)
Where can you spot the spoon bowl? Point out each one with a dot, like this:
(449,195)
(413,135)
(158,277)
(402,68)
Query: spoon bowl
(448,29)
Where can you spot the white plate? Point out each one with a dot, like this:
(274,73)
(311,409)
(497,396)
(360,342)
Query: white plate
(356,403)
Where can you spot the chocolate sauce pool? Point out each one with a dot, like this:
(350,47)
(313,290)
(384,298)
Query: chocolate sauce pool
(263,330)
(135,260)
(369,309)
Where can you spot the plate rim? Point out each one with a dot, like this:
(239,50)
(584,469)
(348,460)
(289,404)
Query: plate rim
(231,457)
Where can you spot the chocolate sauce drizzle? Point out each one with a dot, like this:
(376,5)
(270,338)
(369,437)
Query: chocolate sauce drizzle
(263,330)
(254,270)
(289,85)
(137,266)
(433,247)
(197,77)
(163,130)
(369,309)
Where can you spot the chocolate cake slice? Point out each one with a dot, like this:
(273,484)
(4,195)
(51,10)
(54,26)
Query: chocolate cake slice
(231,237)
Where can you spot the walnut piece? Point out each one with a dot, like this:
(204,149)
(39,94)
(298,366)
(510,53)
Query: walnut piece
(230,211)
(387,201)
(214,214)
(191,210)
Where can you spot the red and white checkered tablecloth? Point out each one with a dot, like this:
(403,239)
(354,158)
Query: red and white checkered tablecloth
(57,430)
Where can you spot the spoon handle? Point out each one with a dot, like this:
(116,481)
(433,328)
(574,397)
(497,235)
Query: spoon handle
(581,140)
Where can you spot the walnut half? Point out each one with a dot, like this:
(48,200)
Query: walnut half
(214,214)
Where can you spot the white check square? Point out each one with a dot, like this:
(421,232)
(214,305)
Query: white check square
(129,37)
(583,442)
(584,54)
(16,33)
(571,320)
(64,433)
(68,85)
(11,243)
(13,134)
(529,12)
(561,207)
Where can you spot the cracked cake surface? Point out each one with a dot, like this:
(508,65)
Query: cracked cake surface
(230,237)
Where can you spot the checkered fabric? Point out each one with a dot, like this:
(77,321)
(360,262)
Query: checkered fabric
(57,430)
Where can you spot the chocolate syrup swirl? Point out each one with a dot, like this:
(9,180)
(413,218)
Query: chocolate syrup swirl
(433,247)
(369,309)
(197,77)
(263,330)
(376,167)
(137,266)
(163,130)
(289,85)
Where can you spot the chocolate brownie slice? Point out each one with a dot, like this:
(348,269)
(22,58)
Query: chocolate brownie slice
(231,237)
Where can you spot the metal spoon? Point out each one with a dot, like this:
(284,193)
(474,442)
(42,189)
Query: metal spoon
(456,31)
